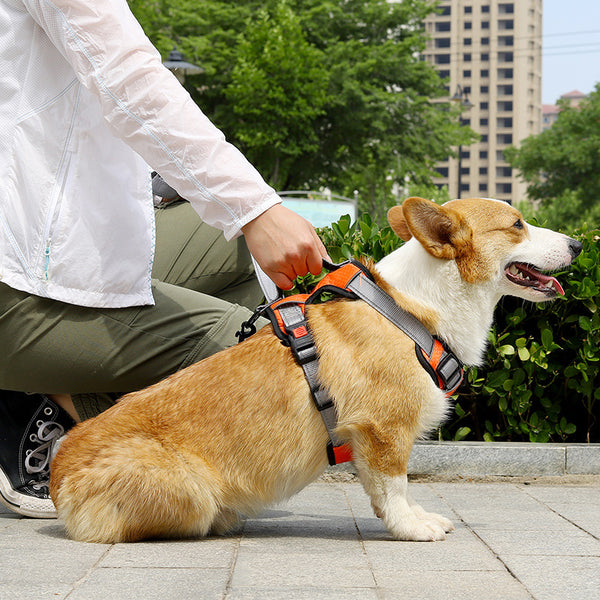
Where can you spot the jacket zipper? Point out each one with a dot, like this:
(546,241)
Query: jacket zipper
(62,176)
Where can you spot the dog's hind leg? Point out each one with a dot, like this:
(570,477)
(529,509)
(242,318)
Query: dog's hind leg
(138,496)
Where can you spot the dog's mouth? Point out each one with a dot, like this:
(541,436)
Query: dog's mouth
(528,276)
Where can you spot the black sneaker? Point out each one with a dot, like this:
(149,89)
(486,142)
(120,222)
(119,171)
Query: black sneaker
(30,426)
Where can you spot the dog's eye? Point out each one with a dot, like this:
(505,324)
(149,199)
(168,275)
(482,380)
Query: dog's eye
(518,224)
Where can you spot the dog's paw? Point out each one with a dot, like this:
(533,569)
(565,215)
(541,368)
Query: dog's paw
(445,524)
(414,529)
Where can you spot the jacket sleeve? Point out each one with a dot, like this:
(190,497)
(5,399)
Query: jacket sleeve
(145,106)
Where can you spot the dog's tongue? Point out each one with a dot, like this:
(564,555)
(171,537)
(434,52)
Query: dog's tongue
(544,280)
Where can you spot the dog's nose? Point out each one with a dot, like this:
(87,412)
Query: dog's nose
(575,247)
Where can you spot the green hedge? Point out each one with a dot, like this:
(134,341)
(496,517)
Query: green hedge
(540,380)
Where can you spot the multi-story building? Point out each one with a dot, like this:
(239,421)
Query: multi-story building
(550,112)
(490,51)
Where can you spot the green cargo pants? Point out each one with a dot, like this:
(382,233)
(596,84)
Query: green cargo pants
(203,286)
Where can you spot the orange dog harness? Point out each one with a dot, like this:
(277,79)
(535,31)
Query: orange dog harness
(354,281)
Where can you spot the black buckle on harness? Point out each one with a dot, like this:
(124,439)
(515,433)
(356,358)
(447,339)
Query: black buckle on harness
(247,328)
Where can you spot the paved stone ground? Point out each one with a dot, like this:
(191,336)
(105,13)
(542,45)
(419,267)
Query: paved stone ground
(513,541)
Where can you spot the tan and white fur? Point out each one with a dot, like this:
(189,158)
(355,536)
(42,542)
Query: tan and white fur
(224,437)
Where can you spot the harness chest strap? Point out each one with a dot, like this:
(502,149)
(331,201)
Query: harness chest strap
(353,280)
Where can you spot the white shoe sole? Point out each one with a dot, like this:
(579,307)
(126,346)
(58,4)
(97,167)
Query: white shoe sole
(28,506)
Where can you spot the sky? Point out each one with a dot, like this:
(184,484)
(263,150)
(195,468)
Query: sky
(571,47)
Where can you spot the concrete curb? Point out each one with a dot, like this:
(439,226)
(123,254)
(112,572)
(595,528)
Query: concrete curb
(499,459)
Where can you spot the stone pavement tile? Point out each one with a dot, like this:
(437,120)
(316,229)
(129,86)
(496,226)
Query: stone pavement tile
(310,542)
(209,553)
(499,506)
(39,546)
(273,555)
(460,551)
(152,584)
(579,505)
(543,543)
(585,516)
(38,590)
(560,494)
(302,593)
(558,577)
(447,585)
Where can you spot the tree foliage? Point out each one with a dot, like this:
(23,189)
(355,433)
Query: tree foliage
(560,165)
(317,93)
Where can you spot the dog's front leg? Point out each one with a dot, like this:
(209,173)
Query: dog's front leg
(403,518)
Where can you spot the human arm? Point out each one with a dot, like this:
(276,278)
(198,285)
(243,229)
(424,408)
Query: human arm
(144,105)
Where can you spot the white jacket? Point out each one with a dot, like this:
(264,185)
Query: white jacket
(85,106)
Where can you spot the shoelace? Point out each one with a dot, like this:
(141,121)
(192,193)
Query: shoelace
(37,461)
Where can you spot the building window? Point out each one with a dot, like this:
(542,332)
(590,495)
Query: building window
(485,24)
(484,89)
(466,57)
(444,74)
(468,10)
(442,59)
(484,105)
(444,10)
(467,74)
(503,172)
(465,170)
(483,154)
(485,9)
(505,74)
(506,40)
(442,171)
(442,43)
(442,26)
(483,170)
(506,57)
(506,9)
(468,25)
(485,73)
(483,187)
(483,138)
(467,41)
(504,24)
(505,90)
(505,122)
(483,122)
(464,187)
(504,138)
(504,188)
(485,57)
(485,41)
(505,106)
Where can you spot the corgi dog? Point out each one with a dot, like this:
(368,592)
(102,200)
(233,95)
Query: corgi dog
(194,453)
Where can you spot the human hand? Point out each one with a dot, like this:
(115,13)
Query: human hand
(285,245)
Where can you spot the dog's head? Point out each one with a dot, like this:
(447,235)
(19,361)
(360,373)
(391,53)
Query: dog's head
(489,242)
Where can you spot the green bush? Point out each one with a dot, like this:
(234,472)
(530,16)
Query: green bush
(540,380)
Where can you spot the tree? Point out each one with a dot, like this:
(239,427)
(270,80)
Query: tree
(560,165)
(278,89)
(317,93)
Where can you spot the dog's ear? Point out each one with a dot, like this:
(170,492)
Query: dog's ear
(398,223)
(439,229)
